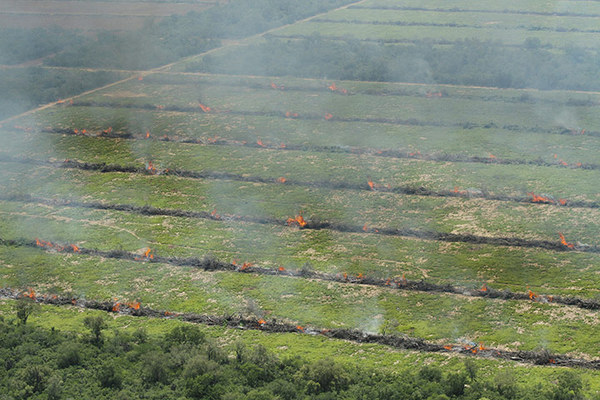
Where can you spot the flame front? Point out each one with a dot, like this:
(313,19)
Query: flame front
(298,220)
(204,108)
(564,241)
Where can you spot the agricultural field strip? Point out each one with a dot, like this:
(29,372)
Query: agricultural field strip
(360,87)
(478,10)
(579,7)
(417,233)
(396,153)
(529,198)
(315,116)
(345,226)
(213,264)
(238,322)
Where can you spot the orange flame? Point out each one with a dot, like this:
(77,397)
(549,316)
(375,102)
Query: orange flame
(532,296)
(447,347)
(540,199)
(561,162)
(246,266)
(481,347)
(360,275)
(563,202)
(31,294)
(274,86)
(140,78)
(550,299)
(281,180)
(147,134)
(135,305)
(564,241)
(282,146)
(387,282)
(404,281)
(365,228)
(204,108)
(260,143)
(298,220)
(75,248)
(328,116)
(332,87)
(290,114)
(345,276)
(151,168)
(552,361)
(116,307)
(281,269)
(493,157)
(300,328)
(484,288)
(371,184)
(261,322)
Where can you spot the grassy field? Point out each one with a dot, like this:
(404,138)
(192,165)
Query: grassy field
(282,166)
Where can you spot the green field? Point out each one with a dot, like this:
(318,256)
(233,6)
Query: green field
(320,164)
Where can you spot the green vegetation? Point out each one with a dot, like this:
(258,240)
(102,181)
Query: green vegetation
(21,45)
(185,363)
(471,62)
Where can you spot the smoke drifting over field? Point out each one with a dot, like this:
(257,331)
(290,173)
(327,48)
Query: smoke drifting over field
(489,111)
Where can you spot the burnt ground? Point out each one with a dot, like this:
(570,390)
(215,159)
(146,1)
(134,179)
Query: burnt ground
(209,263)
(542,357)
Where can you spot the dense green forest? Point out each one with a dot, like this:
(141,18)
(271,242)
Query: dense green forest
(22,45)
(38,363)
(470,62)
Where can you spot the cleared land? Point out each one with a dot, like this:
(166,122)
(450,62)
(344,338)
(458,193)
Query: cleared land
(230,159)
(89,15)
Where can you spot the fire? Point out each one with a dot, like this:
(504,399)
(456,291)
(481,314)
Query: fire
(281,269)
(550,299)
(260,143)
(387,282)
(108,130)
(365,228)
(261,322)
(493,157)
(274,86)
(345,276)
(532,296)
(281,180)
(414,153)
(561,162)
(246,266)
(75,248)
(563,202)
(151,168)
(31,294)
(540,199)
(371,184)
(282,146)
(298,220)
(328,116)
(481,347)
(147,134)
(564,241)
(160,107)
(300,328)
(332,87)
(404,281)
(147,255)
(135,305)
(140,78)
(448,347)
(360,275)
(290,114)
(484,288)
(204,108)
(116,307)
(433,94)
(76,131)
(552,361)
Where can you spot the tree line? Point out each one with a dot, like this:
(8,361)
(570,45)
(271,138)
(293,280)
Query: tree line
(38,363)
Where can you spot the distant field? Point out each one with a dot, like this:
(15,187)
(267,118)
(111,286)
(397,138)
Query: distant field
(89,15)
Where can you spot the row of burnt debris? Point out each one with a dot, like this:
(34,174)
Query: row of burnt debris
(151,169)
(274,326)
(388,153)
(209,263)
(317,117)
(315,224)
